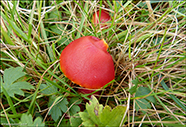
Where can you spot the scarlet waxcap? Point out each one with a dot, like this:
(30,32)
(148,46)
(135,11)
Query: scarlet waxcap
(86,62)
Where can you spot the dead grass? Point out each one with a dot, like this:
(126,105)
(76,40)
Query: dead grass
(147,42)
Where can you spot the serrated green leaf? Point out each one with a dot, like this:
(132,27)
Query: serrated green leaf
(38,122)
(48,88)
(84,116)
(95,115)
(135,81)
(12,74)
(75,120)
(75,108)
(16,88)
(27,121)
(151,99)
(91,117)
(58,108)
(94,109)
(12,87)
(133,89)
(142,91)
(110,118)
(144,103)
(87,121)
(55,112)
(106,115)
(75,99)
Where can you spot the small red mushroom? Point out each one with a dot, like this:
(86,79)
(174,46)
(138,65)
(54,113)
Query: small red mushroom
(104,17)
(86,62)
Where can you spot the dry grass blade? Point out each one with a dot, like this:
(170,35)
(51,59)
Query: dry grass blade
(146,40)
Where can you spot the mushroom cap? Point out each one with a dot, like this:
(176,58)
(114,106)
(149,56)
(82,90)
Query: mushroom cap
(104,17)
(86,62)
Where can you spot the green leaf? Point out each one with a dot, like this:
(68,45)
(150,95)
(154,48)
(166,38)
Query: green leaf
(16,88)
(75,120)
(106,116)
(12,74)
(58,108)
(142,91)
(144,103)
(87,121)
(135,81)
(26,121)
(75,108)
(94,109)
(12,87)
(113,117)
(38,122)
(95,115)
(133,89)
(48,88)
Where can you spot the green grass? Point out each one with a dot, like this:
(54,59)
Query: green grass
(146,41)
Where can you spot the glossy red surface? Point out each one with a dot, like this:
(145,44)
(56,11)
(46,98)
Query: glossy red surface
(86,62)
(104,17)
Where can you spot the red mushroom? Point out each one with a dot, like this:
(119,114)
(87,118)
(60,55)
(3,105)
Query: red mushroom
(86,62)
(104,17)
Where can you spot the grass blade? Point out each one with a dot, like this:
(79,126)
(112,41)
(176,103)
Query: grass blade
(173,97)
